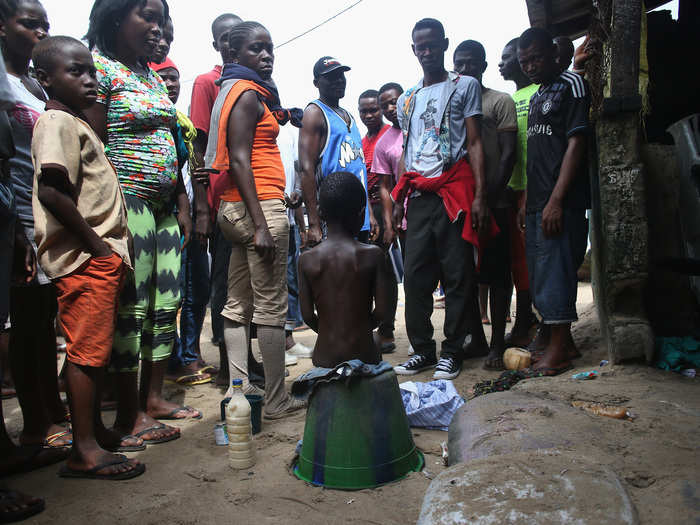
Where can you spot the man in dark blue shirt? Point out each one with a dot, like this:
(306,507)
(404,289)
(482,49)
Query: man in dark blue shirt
(558,194)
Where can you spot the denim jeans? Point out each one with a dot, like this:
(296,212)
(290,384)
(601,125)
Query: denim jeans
(552,263)
(220,249)
(293,311)
(194,286)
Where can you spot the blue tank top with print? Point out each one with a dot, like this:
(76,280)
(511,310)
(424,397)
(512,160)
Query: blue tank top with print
(342,152)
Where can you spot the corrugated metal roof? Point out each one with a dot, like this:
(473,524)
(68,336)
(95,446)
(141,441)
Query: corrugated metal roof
(568,17)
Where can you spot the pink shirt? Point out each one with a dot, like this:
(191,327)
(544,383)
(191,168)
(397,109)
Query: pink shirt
(387,153)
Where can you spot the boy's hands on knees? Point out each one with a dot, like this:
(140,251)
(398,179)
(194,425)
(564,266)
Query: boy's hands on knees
(264,244)
(551,218)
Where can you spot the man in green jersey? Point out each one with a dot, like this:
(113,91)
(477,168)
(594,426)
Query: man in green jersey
(525,318)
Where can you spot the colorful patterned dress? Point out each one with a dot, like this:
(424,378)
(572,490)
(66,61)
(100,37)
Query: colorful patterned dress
(140,144)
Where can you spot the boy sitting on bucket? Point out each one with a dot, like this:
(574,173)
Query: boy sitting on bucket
(340,277)
(356,434)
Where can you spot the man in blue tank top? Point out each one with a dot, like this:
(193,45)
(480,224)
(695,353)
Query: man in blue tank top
(329,141)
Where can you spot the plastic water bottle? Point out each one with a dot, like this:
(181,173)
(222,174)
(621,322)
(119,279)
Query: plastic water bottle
(241,454)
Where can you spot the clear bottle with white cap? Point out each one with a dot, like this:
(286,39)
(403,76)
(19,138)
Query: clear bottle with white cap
(241,454)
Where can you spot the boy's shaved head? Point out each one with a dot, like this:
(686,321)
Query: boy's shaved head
(342,198)
(221,22)
(50,50)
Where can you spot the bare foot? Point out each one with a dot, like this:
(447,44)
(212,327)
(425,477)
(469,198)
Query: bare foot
(112,465)
(15,506)
(162,409)
(156,431)
(112,439)
(494,361)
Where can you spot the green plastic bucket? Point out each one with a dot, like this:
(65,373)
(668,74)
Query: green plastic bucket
(357,435)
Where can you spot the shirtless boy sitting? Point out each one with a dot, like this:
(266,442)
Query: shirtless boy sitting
(340,277)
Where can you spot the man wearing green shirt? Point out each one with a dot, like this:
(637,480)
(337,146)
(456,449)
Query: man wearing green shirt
(524,317)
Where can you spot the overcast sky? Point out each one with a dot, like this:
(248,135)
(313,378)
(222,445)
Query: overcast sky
(373,38)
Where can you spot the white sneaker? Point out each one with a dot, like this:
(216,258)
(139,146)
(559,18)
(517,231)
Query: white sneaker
(300,350)
(290,360)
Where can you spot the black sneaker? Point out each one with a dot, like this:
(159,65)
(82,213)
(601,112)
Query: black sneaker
(414,365)
(447,368)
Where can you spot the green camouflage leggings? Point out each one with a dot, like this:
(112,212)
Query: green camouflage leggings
(151,296)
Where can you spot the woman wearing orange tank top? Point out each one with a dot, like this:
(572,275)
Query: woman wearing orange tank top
(252,214)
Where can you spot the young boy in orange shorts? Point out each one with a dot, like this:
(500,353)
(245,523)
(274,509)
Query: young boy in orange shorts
(82,238)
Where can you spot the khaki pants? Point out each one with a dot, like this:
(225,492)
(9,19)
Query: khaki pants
(257,291)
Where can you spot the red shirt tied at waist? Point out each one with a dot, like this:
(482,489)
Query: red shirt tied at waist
(456,188)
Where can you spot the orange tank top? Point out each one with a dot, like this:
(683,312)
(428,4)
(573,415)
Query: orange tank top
(265,159)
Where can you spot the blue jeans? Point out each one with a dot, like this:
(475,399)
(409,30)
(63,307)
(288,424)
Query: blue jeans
(220,256)
(194,287)
(552,263)
(293,312)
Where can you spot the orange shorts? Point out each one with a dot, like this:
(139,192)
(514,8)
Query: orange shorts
(87,306)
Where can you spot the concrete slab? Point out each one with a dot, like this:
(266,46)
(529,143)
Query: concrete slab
(539,488)
(510,422)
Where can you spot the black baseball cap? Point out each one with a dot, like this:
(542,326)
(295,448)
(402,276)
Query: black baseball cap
(325,65)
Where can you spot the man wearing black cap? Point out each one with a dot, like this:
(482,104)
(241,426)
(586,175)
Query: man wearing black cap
(329,141)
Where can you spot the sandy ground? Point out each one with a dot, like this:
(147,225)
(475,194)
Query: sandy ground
(188,480)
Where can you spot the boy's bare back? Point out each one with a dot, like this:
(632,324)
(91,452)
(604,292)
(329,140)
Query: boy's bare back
(341,277)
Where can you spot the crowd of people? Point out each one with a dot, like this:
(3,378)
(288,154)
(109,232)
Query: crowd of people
(121,212)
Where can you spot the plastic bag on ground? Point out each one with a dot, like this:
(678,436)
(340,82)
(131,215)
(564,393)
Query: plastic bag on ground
(430,405)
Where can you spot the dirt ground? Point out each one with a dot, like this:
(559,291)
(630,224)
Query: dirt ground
(188,481)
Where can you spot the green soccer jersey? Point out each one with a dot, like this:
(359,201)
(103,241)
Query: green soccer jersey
(521,97)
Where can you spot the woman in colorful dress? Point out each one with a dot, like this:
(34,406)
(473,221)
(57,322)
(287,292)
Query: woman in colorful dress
(135,118)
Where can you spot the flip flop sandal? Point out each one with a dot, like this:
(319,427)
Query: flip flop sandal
(156,441)
(48,443)
(209,369)
(127,448)
(30,509)
(190,380)
(66,472)
(171,415)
